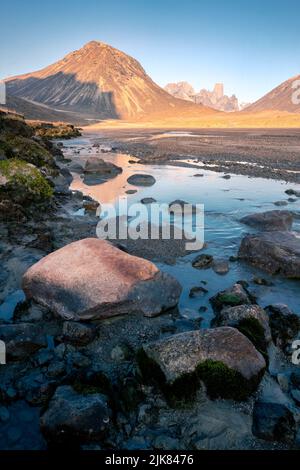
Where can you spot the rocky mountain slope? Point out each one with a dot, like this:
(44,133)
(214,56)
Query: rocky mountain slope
(41,112)
(97,81)
(280,98)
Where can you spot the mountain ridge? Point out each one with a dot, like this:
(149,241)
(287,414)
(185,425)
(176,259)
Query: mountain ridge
(279,98)
(99,80)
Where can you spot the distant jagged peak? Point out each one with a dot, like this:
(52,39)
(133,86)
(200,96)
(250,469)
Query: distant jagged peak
(213,99)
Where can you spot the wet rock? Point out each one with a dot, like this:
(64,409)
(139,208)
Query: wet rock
(252,320)
(203,308)
(43,357)
(75,167)
(180,207)
(131,191)
(226,177)
(274,252)
(130,394)
(295,378)
(78,360)
(60,184)
(270,220)
(216,426)
(140,179)
(165,442)
(11,211)
(199,175)
(203,261)
(231,297)
(284,324)
(273,422)
(56,369)
(91,279)
(197,291)
(22,340)
(280,203)
(223,358)
(260,281)
(30,312)
(36,388)
(292,192)
(220,266)
(89,204)
(77,333)
(72,416)
(296,396)
(183,324)
(95,164)
(136,443)
(148,200)
(178,202)
(283,381)
(97,171)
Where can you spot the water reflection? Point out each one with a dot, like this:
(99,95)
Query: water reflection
(225,202)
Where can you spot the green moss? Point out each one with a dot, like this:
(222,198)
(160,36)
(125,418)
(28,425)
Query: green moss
(30,151)
(220,381)
(253,330)
(223,382)
(25,184)
(229,299)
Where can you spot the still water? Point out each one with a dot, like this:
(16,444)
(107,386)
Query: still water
(225,202)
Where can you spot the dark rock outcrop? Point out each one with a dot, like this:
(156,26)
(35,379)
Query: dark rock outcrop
(273,422)
(270,220)
(274,252)
(72,416)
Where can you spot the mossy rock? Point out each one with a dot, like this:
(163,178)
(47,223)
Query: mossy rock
(55,131)
(251,320)
(30,151)
(223,382)
(14,125)
(223,358)
(5,149)
(22,183)
(181,392)
(220,381)
(254,331)
(231,297)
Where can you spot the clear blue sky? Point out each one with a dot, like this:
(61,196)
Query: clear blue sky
(251,46)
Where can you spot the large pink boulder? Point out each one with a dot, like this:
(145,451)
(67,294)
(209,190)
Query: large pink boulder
(92,279)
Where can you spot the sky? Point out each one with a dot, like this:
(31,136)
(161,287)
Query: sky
(250,46)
